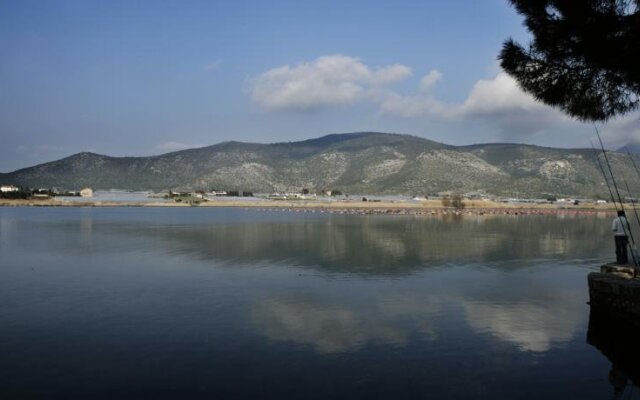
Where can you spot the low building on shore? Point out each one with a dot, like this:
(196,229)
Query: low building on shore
(86,192)
(9,188)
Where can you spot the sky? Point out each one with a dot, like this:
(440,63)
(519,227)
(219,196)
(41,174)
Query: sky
(137,78)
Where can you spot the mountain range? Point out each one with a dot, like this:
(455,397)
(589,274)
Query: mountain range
(631,147)
(364,162)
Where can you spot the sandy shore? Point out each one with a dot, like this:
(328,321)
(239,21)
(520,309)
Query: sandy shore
(428,207)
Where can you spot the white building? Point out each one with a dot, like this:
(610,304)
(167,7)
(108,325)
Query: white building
(8,188)
(86,192)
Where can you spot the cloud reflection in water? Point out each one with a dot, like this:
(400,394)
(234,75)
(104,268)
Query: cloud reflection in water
(328,328)
(531,327)
(394,320)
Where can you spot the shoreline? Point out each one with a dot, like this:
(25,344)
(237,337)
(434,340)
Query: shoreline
(428,207)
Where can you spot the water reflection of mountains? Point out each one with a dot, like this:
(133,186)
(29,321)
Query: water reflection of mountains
(386,245)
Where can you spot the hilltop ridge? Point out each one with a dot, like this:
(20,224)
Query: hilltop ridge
(360,162)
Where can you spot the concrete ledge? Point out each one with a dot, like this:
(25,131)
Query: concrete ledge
(616,294)
(623,271)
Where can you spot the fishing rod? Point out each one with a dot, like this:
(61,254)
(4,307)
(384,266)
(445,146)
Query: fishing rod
(604,175)
(615,185)
(632,161)
(606,180)
(626,183)
(615,205)
(635,167)
(606,159)
(635,211)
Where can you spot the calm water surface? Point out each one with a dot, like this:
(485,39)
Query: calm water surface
(227,303)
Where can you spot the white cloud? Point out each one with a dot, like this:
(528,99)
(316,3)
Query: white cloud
(492,97)
(174,146)
(213,66)
(499,100)
(429,80)
(497,103)
(496,96)
(326,81)
(390,74)
(342,80)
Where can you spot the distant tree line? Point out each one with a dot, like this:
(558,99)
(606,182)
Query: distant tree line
(28,193)
(20,194)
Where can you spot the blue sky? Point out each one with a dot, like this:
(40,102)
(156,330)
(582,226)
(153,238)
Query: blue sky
(147,77)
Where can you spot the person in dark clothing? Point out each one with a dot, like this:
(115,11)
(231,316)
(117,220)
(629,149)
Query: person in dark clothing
(620,228)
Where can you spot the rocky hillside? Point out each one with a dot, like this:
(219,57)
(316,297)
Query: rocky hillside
(354,163)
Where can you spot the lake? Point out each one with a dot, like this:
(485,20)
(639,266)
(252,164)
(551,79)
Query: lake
(231,303)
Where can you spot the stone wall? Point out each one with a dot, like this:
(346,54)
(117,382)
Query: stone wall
(616,293)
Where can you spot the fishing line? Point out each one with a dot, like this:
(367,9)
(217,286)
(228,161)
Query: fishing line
(632,161)
(615,186)
(604,175)
(635,211)
(615,205)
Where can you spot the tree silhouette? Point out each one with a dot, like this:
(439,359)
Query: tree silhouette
(446,200)
(457,201)
(583,57)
